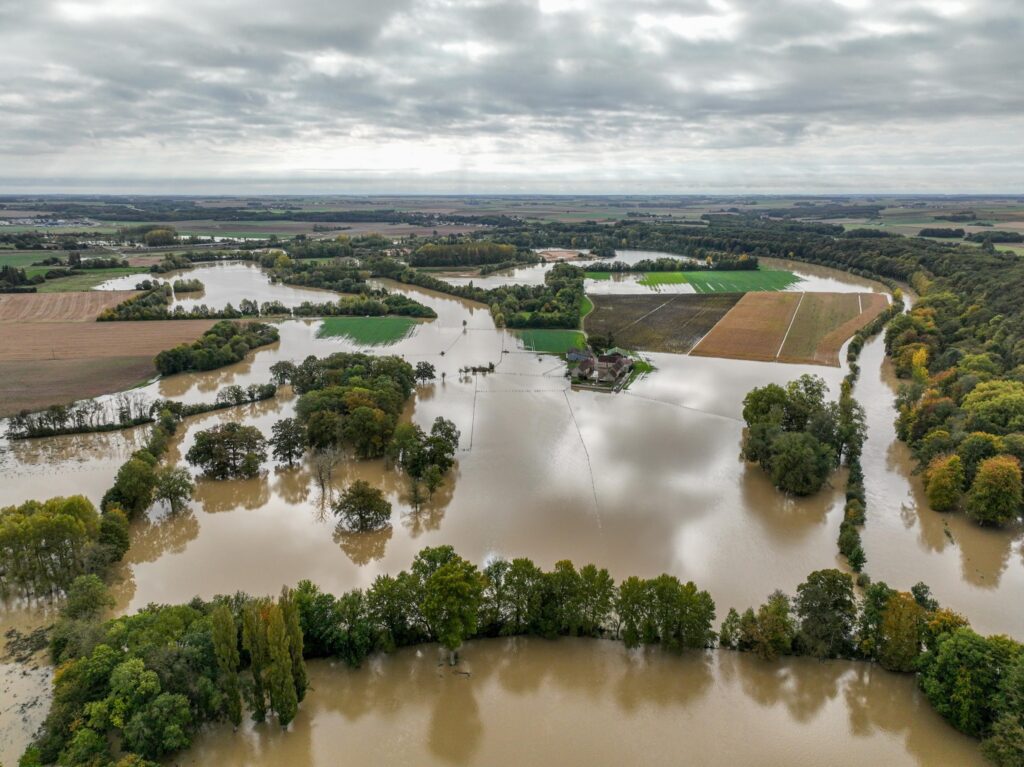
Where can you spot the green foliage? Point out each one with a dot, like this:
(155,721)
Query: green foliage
(995,495)
(228,450)
(174,486)
(224,344)
(87,597)
(289,440)
(944,482)
(962,678)
(827,612)
(225,646)
(133,486)
(45,546)
(798,437)
(451,600)
(362,507)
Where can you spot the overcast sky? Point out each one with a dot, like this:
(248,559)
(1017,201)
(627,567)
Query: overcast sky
(550,96)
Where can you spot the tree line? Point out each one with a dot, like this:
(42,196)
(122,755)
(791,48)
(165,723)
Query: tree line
(153,678)
(469,253)
(223,344)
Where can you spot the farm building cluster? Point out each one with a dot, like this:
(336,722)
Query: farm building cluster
(607,368)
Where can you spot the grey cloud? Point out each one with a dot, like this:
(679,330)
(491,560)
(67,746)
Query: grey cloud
(96,83)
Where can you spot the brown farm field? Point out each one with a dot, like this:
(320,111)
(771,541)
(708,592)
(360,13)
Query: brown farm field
(807,328)
(658,323)
(77,306)
(52,351)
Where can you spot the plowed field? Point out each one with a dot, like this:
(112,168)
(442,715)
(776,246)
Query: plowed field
(59,307)
(657,323)
(807,328)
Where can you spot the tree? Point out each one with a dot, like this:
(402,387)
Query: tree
(292,625)
(945,482)
(87,598)
(254,642)
(827,611)
(225,647)
(995,495)
(324,429)
(173,485)
(280,680)
(775,628)
(367,430)
(160,727)
(425,372)
(597,596)
(228,450)
(133,487)
(962,680)
(800,463)
(451,602)
(900,642)
(362,507)
(288,440)
(1005,745)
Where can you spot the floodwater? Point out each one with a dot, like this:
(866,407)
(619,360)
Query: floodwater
(815,279)
(224,283)
(527,701)
(643,482)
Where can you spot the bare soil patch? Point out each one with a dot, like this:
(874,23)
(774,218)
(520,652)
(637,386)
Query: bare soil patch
(807,328)
(753,329)
(59,307)
(93,340)
(38,384)
(556,254)
(49,363)
(658,323)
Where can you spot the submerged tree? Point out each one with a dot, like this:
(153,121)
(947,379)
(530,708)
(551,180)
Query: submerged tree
(362,507)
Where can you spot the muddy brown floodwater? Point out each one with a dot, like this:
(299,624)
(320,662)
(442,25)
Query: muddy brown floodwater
(642,482)
(527,701)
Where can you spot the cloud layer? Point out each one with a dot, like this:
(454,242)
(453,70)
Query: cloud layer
(555,95)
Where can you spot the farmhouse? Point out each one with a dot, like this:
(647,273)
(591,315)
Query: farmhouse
(612,366)
(585,370)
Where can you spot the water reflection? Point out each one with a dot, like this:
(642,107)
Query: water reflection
(527,701)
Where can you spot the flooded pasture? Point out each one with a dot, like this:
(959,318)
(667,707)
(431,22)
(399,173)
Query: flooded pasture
(642,482)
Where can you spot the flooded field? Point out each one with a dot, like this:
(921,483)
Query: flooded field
(593,702)
(226,283)
(643,482)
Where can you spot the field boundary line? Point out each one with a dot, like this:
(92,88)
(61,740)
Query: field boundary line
(652,311)
(792,320)
(712,328)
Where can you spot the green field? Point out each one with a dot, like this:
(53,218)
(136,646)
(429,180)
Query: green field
(654,279)
(551,341)
(87,281)
(367,331)
(598,275)
(740,282)
(586,307)
(20,259)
